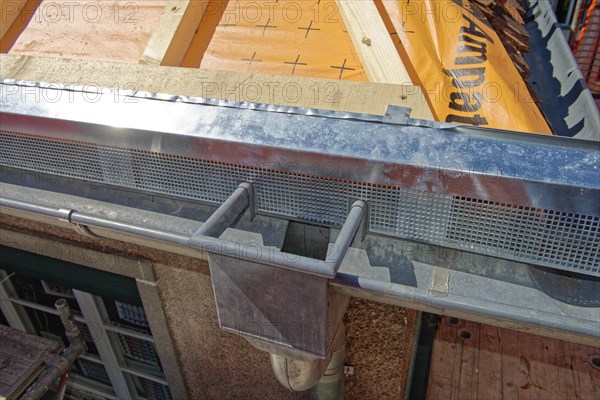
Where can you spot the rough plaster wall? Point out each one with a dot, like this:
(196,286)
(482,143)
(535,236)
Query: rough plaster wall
(219,365)
(216,364)
(379,343)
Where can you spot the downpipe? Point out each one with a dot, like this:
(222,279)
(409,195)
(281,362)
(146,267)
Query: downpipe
(323,377)
(331,384)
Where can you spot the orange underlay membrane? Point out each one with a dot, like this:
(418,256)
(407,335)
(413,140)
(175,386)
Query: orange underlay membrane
(461,65)
(446,45)
(303,38)
(449,49)
(100,30)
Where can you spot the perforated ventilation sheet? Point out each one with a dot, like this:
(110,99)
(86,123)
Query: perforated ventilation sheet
(563,240)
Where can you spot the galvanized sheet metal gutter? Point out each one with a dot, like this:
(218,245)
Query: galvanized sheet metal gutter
(518,197)
(473,294)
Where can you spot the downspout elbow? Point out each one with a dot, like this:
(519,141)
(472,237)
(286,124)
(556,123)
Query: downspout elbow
(298,375)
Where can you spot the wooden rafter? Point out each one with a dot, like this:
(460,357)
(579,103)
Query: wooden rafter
(373,43)
(174,32)
(9,11)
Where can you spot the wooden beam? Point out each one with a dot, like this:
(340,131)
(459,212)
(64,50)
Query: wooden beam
(174,33)
(9,11)
(372,42)
(347,96)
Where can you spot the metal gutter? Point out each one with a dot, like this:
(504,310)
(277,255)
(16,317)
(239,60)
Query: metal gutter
(325,268)
(504,295)
(482,201)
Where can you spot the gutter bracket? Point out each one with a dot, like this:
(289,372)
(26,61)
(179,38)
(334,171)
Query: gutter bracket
(65,216)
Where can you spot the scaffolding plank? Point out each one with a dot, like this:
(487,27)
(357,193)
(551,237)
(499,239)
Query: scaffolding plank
(488,383)
(21,360)
(476,361)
